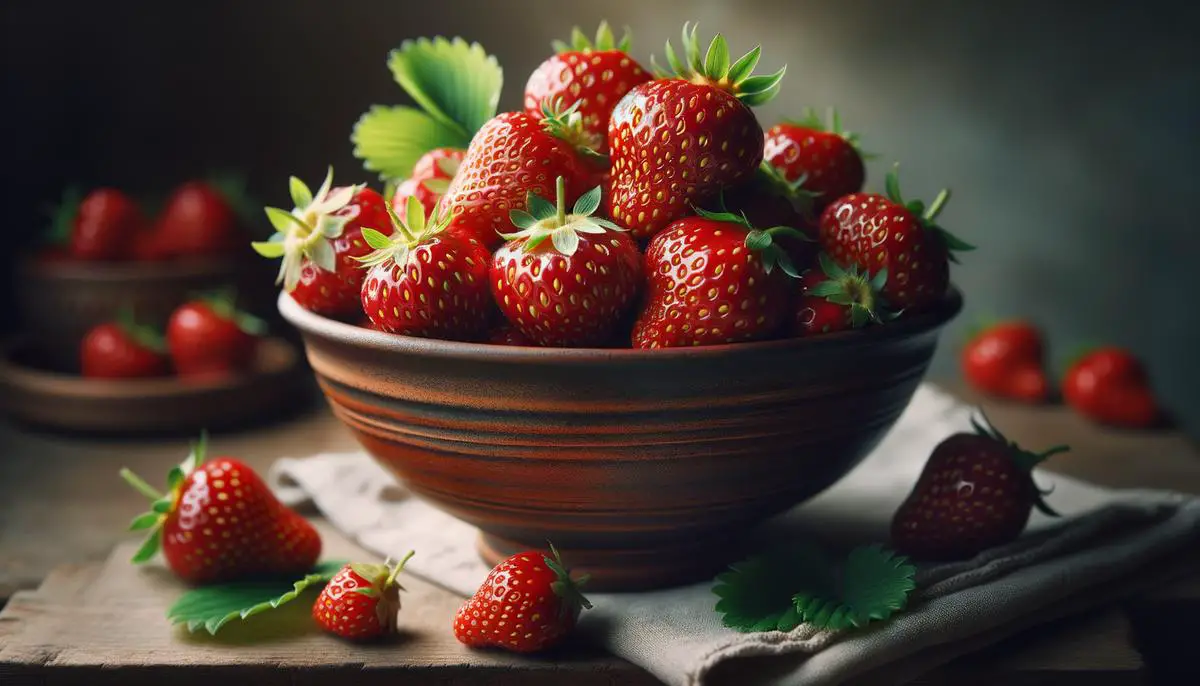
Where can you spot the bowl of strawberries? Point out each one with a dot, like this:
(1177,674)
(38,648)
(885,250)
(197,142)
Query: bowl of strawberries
(625,319)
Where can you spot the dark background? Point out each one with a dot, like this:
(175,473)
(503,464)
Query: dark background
(1068,131)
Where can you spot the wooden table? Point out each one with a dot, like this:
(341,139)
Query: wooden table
(63,508)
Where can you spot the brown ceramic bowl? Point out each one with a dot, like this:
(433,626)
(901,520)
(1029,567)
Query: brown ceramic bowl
(643,467)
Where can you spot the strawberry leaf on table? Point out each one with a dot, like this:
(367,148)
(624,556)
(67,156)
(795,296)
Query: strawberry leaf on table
(390,140)
(212,607)
(800,583)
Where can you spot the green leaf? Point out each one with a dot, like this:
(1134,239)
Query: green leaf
(148,548)
(145,521)
(756,594)
(268,249)
(212,607)
(301,195)
(282,220)
(745,65)
(540,207)
(322,254)
(875,583)
(521,219)
(716,61)
(376,239)
(587,203)
(390,140)
(455,82)
(758,240)
(162,505)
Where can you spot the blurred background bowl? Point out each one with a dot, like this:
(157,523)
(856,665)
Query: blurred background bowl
(643,467)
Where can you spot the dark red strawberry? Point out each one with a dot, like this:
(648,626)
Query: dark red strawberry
(833,298)
(877,232)
(430,179)
(823,159)
(975,493)
(712,279)
(219,522)
(678,142)
(106,223)
(507,334)
(1110,385)
(769,200)
(1007,360)
(515,154)
(426,281)
(319,242)
(123,349)
(565,279)
(210,336)
(528,603)
(197,221)
(594,75)
(361,602)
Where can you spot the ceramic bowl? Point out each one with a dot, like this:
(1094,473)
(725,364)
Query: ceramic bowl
(644,468)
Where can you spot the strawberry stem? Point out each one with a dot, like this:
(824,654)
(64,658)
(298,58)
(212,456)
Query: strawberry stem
(140,485)
(395,571)
(938,203)
(560,191)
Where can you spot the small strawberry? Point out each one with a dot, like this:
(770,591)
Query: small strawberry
(836,299)
(594,75)
(219,521)
(1109,385)
(105,226)
(712,279)
(424,280)
(123,349)
(824,160)
(528,603)
(209,336)
(678,142)
(975,493)
(360,602)
(429,180)
(515,154)
(877,232)
(319,241)
(1007,360)
(197,221)
(565,279)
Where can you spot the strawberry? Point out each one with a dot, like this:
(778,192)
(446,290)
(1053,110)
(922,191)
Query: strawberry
(594,75)
(512,155)
(677,142)
(319,241)
(572,289)
(219,522)
(975,493)
(835,299)
(1110,386)
(197,221)
(106,223)
(209,336)
(429,180)
(528,603)
(824,160)
(123,349)
(712,279)
(424,280)
(1006,360)
(361,601)
(507,334)
(877,232)
(768,199)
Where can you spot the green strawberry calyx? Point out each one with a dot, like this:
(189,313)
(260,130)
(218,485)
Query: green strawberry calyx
(382,584)
(566,588)
(856,290)
(566,123)
(162,504)
(147,336)
(545,220)
(308,231)
(761,241)
(926,215)
(605,40)
(407,233)
(832,123)
(772,178)
(716,70)
(223,303)
(62,217)
(1024,459)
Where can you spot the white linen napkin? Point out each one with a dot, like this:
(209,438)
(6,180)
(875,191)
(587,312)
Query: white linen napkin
(1102,538)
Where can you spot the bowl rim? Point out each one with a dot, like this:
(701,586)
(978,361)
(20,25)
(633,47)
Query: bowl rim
(310,323)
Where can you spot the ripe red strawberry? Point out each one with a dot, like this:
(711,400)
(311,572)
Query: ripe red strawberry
(677,142)
(123,349)
(1007,360)
(197,221)
(823,159)
(877,232)
(1109,385)
(594,75)
(975,493)
(429,180)
(507,334)
(515,154)
(209,336)
(712,279)
(426,281)
(528,603)
(361,601)
(319,241)
(106,222)
(565,279)
(836,299)
(219,522)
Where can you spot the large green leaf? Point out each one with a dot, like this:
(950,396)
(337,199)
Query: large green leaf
(389,140)
(456,82)
(756,594)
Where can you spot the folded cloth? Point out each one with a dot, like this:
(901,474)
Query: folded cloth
(1102,538)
